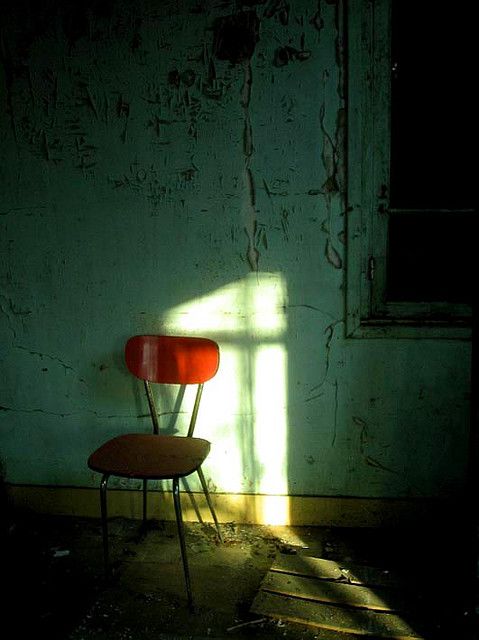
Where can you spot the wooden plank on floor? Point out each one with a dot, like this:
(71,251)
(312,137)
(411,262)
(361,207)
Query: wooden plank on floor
(375,598)
(322,569)
(315,614)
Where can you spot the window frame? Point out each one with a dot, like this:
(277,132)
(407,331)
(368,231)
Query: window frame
(367,312)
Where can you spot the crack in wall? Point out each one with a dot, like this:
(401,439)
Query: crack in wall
(14,209)
(368,459)
(10,312)
(335,421)
(251,225)
(67,414)
(312,308)
(7,314)
(363,434)
(330,186)
(340,49)
(377,465)
(329,331)
(66,367)
(36,410)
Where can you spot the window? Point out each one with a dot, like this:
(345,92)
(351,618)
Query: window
(411,209)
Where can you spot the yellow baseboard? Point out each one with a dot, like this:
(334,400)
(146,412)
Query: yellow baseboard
(241,508)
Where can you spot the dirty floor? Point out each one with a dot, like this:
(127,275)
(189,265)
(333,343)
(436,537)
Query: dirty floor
(53,575)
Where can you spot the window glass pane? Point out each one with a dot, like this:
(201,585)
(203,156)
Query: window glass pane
(430,257)
(433,110)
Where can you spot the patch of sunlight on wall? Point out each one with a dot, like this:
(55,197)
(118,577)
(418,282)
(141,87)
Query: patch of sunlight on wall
(221,404)
(270,427)
(244,408)
(253,305)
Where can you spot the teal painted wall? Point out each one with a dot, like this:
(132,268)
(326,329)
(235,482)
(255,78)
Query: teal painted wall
(161,173)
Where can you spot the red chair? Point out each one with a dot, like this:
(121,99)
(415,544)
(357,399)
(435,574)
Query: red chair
(164,360)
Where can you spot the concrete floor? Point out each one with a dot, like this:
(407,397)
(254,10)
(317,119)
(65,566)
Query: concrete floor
(55,585)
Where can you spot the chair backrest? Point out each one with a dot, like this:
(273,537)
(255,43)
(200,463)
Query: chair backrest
(172,359)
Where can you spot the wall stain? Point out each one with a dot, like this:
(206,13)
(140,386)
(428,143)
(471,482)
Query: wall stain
(278,9)
(14,209)
(88,99)
(49,106)
(340,49)
(236,36)
(276,189)
(251,226)
(8,314)
(328,155)
(187,88)
(46,122)
(11,312)
(329,333)
(340,154)
(363,435)
(330,186)
(364,439)
(86,154)
(335,430)
(317,20)
(332,255)
(377,465)
(123,111)
(284,220)
(286,54)
(147,180)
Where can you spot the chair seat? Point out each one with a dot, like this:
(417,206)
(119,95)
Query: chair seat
(136,455)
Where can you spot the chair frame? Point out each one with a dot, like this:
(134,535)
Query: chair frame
(175,490)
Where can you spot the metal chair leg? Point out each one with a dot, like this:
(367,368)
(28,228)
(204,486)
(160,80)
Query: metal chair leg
(104,522)
(210,504)
(181,533)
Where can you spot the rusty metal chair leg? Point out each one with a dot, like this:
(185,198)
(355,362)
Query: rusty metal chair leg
(181,533)
(210,504)
(104,522)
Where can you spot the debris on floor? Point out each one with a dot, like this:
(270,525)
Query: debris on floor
(57,589)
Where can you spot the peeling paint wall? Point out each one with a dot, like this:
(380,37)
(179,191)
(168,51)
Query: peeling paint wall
(161,158)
